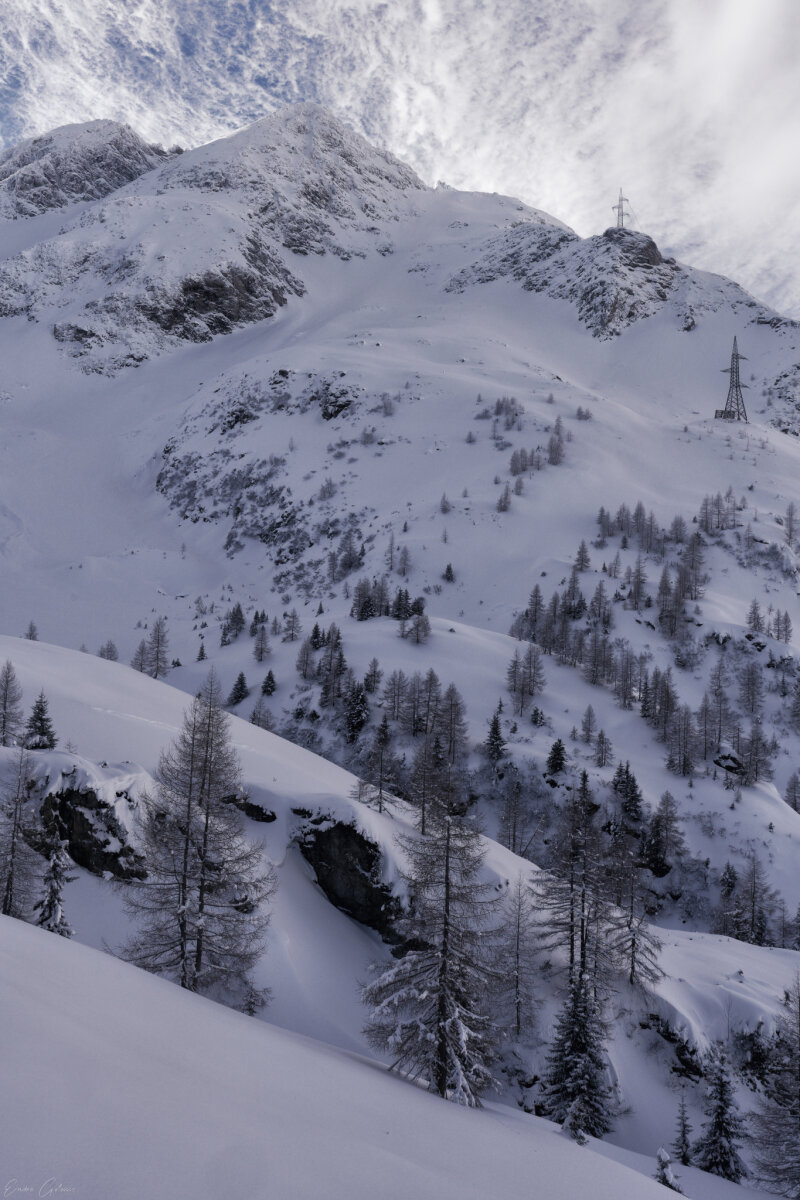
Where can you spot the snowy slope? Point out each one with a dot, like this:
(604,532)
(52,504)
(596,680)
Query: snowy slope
(125,1086)
(317,957)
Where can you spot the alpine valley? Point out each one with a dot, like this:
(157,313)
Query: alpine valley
(433,485)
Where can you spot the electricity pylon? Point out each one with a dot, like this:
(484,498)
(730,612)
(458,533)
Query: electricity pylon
(734,409)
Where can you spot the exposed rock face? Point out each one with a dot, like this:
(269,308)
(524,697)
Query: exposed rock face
(613,280)
(96,839)
(253,810)
(189,246)
(347,865)
(75,162)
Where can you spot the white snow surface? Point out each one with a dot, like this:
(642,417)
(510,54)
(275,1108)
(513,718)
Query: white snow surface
(125,1086)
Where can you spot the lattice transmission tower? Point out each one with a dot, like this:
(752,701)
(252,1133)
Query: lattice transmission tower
(734,409)
(619,209)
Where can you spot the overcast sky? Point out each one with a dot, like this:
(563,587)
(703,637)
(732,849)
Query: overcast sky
(692,106)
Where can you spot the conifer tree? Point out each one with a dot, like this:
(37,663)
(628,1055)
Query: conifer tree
(200,911)
(451,724)
(557,758)
(717,1148)
(682,1145)
(356,710)
(139,660)
(632,941)
(261,646)
(39,732)
(574,1091)
(664,1173)
(776,1122)
(575,911)
(157,647)
(50,907)
(261,716)
(269,684)
(10,707)
(373,677)
(603,750)
(792,794)
(663,842)
(239,692)
(428,779)
(19,864)
(495,745)
(516,825)
(292,627)
(516,943)
(381,762)
(425,1008)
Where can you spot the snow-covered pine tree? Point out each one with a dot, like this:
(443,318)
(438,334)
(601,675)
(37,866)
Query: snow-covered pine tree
(200,911)
(717,1148)
(239,692)
(39,732)
(682,1146)
(10,707)
(574,1090)
(50,907)
(776,1122)
(664,1173)
(495,745)
(426,1007)
(557,758)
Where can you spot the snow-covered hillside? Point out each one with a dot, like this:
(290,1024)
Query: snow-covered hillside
(316,958)
(142,1089)
(279,373)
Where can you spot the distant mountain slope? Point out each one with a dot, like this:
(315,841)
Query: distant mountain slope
(75,162)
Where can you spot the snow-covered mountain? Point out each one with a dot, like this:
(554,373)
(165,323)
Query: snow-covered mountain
(278,369)
(560,103)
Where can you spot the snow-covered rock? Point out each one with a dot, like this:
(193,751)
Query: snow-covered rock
(73,163)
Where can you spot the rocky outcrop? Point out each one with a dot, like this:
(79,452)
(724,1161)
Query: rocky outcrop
(348,869)
(96,838)
(75,162)
(613,280)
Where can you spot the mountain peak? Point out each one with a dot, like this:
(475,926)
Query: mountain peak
(74,162)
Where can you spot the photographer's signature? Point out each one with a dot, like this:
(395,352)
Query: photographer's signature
(51,1187)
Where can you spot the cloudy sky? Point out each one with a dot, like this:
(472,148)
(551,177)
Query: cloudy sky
(692,106)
